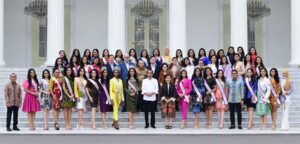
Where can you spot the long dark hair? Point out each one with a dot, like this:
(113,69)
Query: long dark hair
(116,54)
(183,62)
(71,61)
(223,77)
(253,77)
(64,58)
(141,55)
(74,51)
(276,76)
(194,74)
(180,76)
(56,64)
(102,75)
(188,53)
(261,64)
(249,52)
(135,75)
(178,50)
(95,49)
(209,55)
(72,73)
(228,51)
(104,51)
(221,63)
(245,60)
(218,53)
(78,73)
(81,61)
(243,53)
(217,62)
(34,77)
(199,55)
(89,56)
(133,50)
(97,76)
(43,74)
(156,49)
(263,68)
(211,73)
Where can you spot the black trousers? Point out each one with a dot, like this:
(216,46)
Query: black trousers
(15,111)
(149,107)
(140,103)
(235,107)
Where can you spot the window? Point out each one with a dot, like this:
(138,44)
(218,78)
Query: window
(251,32)
(43,38)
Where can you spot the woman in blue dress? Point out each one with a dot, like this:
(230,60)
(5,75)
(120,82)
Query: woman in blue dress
(197,93)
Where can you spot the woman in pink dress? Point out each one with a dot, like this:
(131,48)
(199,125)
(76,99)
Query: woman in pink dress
(31,103)
(183,89)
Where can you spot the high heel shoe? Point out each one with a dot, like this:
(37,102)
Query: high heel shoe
(273,127)
(56,126)
(115,125)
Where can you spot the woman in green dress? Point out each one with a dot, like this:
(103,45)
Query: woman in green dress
(68,100)
(132,88)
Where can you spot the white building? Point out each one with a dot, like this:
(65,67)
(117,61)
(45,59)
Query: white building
(182,24)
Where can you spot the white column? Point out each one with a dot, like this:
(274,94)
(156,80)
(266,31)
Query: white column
(116,25)
(2,63)
(239,27)
(295,32)
(55,31)
(177,26)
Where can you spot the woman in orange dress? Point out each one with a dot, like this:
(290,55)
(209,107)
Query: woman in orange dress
(221,98)
(275,92)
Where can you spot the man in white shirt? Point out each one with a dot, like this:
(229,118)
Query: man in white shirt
(149,92)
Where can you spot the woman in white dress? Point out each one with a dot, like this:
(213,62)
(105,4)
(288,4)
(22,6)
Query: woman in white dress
(80,93)
(287,88)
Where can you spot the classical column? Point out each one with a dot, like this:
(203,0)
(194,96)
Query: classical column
(295,32)
(116,25)
(2,63)
(239,27)
(55,31)
(177,26)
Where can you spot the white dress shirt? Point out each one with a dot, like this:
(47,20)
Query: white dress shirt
(150,86)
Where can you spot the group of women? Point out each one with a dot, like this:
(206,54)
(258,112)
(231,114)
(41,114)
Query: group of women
(196,83)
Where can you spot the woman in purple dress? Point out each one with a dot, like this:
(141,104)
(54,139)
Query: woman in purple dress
(104,95)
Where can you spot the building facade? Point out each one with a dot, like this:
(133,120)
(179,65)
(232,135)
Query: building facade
(27,41)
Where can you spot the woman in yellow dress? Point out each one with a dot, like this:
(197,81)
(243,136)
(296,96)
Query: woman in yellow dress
(116,95)
(166,58)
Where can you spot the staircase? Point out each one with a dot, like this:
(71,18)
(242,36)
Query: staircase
(139,118)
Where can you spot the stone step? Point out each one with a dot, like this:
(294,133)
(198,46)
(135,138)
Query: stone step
(87,125)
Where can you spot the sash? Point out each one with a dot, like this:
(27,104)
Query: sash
(119,89)
(199,98)
(213,97)
(95,84)
(222,92)
(145,60)
(59,87)
(35,85)
(80,85)
(104,60)
(69,87)
(106,93)
(260,91)
(274,93)
(186,98)
(254,98)
(132,86)
(191,61)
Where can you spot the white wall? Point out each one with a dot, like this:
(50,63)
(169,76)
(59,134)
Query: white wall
(203,24)
(278,34)
(15,34)
(89,24)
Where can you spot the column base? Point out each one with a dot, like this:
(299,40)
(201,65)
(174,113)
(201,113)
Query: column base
(294,63)
(2,64)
